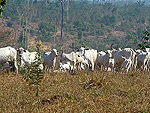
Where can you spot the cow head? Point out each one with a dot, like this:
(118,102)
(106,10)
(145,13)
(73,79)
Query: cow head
(81,51)
(54,51)
(21,50)
(77,50)
(47,53)
(109,53)
(60,64)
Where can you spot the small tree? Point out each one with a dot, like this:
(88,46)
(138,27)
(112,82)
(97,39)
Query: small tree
(146,42)
(2,4)
(32,73)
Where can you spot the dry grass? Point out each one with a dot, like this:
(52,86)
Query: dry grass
(84,92)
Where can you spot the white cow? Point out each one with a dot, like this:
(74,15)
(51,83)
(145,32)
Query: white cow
(26,56)
(8,54)
(100,59)
(71,57)
(65,67)
(105,59)
(90,55)
(108,60)
(50,59)
(127,53)
(142,60)
(81,62)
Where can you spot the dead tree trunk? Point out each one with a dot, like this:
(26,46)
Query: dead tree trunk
(62,19)
(67,10)
(20,16)
(126,2)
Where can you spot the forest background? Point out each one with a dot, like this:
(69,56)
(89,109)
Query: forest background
(90,24)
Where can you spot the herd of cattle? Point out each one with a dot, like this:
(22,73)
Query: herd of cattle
(125,60)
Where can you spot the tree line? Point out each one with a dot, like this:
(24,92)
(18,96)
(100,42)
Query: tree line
(81,20)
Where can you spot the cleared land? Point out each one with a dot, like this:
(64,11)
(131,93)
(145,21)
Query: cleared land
(84,92)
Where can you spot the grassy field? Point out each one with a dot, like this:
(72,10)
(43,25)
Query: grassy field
(84,92)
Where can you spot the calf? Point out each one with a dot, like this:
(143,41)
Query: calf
(107,59)
(50,60)
(26,56)
(65,67)
(100,59)
(90,55)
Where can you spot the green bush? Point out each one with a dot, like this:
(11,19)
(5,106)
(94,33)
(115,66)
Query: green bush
(99,32)
(32,73)
(85,34)
(9,24)
(46,26)
(44,38)
(32,32)
(145,43)
(80,34)
(72,32)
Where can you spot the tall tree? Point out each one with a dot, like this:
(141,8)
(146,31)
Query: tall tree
(126,2)
(21,14)
(67,10)
(62,20)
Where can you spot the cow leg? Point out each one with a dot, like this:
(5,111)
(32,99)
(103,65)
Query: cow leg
(52,68)
(144,65)
(123,67)
(104,65)
(92,66)
(73,69)
(81,68)
(44,67)
(15,63)
(77,65)
(135,64)
(48,67)
(128,66)
(87,66)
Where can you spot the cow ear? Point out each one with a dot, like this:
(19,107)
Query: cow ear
(77,50)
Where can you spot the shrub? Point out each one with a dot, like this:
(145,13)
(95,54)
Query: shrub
(32,73)
(145,43)
(72,32)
